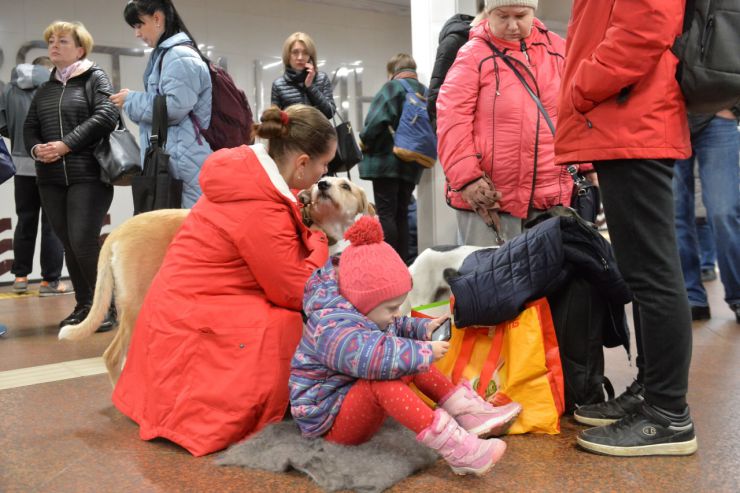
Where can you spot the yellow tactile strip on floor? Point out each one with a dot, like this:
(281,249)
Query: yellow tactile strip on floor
(12,295)
(51,373)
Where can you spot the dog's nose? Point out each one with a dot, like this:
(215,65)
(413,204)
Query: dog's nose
(324,185)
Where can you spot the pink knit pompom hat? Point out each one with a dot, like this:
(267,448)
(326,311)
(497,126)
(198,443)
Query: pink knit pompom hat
(370,270)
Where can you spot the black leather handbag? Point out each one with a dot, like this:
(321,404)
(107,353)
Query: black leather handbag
(586,200)
(119,156)
(348,151)
(156,188)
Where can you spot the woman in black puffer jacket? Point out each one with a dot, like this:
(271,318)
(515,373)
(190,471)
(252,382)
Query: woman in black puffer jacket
(63,126)
(301,83)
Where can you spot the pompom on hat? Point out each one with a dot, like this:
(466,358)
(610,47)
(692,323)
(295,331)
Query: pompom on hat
(370,270)
(494,4)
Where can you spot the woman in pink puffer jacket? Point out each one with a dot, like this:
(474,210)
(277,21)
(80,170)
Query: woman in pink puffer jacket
(495,146)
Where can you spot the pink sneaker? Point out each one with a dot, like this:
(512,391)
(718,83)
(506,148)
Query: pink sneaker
(464,452)
(476,415)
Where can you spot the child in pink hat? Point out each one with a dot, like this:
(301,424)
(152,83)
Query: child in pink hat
(358,356)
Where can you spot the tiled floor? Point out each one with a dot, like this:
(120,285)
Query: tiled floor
(65,436)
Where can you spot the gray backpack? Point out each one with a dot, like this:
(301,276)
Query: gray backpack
(709,55)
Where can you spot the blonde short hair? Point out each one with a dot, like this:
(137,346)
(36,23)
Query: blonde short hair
(303,38)
(80,34)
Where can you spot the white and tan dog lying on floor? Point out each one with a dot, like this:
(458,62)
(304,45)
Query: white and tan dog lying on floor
(133,253)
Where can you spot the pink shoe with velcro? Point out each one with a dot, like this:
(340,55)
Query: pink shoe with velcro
(464,452)
(476,415)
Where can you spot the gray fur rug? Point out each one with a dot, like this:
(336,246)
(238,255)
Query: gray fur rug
(391,455)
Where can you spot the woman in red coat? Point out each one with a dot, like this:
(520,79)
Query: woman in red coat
(210,355)
(491,134)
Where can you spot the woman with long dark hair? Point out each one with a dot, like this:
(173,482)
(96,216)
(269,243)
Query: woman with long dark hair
(177,70)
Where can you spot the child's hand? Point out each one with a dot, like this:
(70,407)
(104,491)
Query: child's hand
(434,324)
(439,349)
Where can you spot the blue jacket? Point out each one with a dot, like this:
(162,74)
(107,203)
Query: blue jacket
(186,82)
(339,346)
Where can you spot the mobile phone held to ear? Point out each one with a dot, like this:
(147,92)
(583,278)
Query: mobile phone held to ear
(443,332)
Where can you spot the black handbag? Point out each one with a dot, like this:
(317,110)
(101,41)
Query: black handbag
(156,188)
(348,151)
(119,156)
(7,166)
(586,200)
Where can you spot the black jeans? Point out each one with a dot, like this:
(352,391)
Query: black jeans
(28,209)
(76,213)
(638,203)
(392,198)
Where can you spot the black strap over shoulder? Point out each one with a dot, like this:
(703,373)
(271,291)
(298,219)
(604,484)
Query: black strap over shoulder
(159,122)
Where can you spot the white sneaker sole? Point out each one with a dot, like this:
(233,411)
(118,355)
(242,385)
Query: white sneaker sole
(679,448)
(594,421)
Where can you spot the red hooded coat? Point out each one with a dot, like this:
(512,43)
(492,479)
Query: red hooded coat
(210,356)
(620,98)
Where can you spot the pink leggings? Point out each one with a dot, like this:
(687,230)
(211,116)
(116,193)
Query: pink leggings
(369,401)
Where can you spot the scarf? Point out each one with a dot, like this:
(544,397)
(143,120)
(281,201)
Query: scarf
(77,68)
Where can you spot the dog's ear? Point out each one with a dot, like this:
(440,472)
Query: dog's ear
(304,196)
(371,211)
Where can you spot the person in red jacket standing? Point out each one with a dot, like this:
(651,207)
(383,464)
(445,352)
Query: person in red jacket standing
(621,108)
(210,354)
(496,148)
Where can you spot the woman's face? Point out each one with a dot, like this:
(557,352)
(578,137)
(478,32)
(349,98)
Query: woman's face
(308,170)
(298,56)
(511,23)
(63,51)
(150,29)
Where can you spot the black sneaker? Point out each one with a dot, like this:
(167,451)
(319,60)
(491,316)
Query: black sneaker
(700,313)
(608,412)
(736,308)
(109,321)
(78,315)
(647,432)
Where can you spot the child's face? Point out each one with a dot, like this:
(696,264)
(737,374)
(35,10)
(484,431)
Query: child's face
(384,314)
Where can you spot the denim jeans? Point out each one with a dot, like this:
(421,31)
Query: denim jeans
(707,250)
(717,149)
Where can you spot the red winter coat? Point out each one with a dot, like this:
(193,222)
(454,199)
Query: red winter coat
(486,121)
(210,356)
(622,46)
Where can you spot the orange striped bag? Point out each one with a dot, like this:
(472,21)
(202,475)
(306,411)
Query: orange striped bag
(518,360)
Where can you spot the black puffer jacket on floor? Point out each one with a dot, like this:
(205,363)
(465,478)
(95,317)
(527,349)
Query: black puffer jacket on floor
(289,89)
(62,112)
(495,284)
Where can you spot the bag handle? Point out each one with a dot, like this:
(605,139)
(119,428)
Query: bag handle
(572,170)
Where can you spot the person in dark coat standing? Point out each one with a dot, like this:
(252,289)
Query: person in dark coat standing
(60,133)
(25,79)
(453,35)
(621,108)
(393,180)
(301,82)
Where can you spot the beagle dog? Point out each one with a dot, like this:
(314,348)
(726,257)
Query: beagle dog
(333,204)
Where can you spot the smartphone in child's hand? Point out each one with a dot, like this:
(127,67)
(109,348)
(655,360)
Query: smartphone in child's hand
(443,332)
